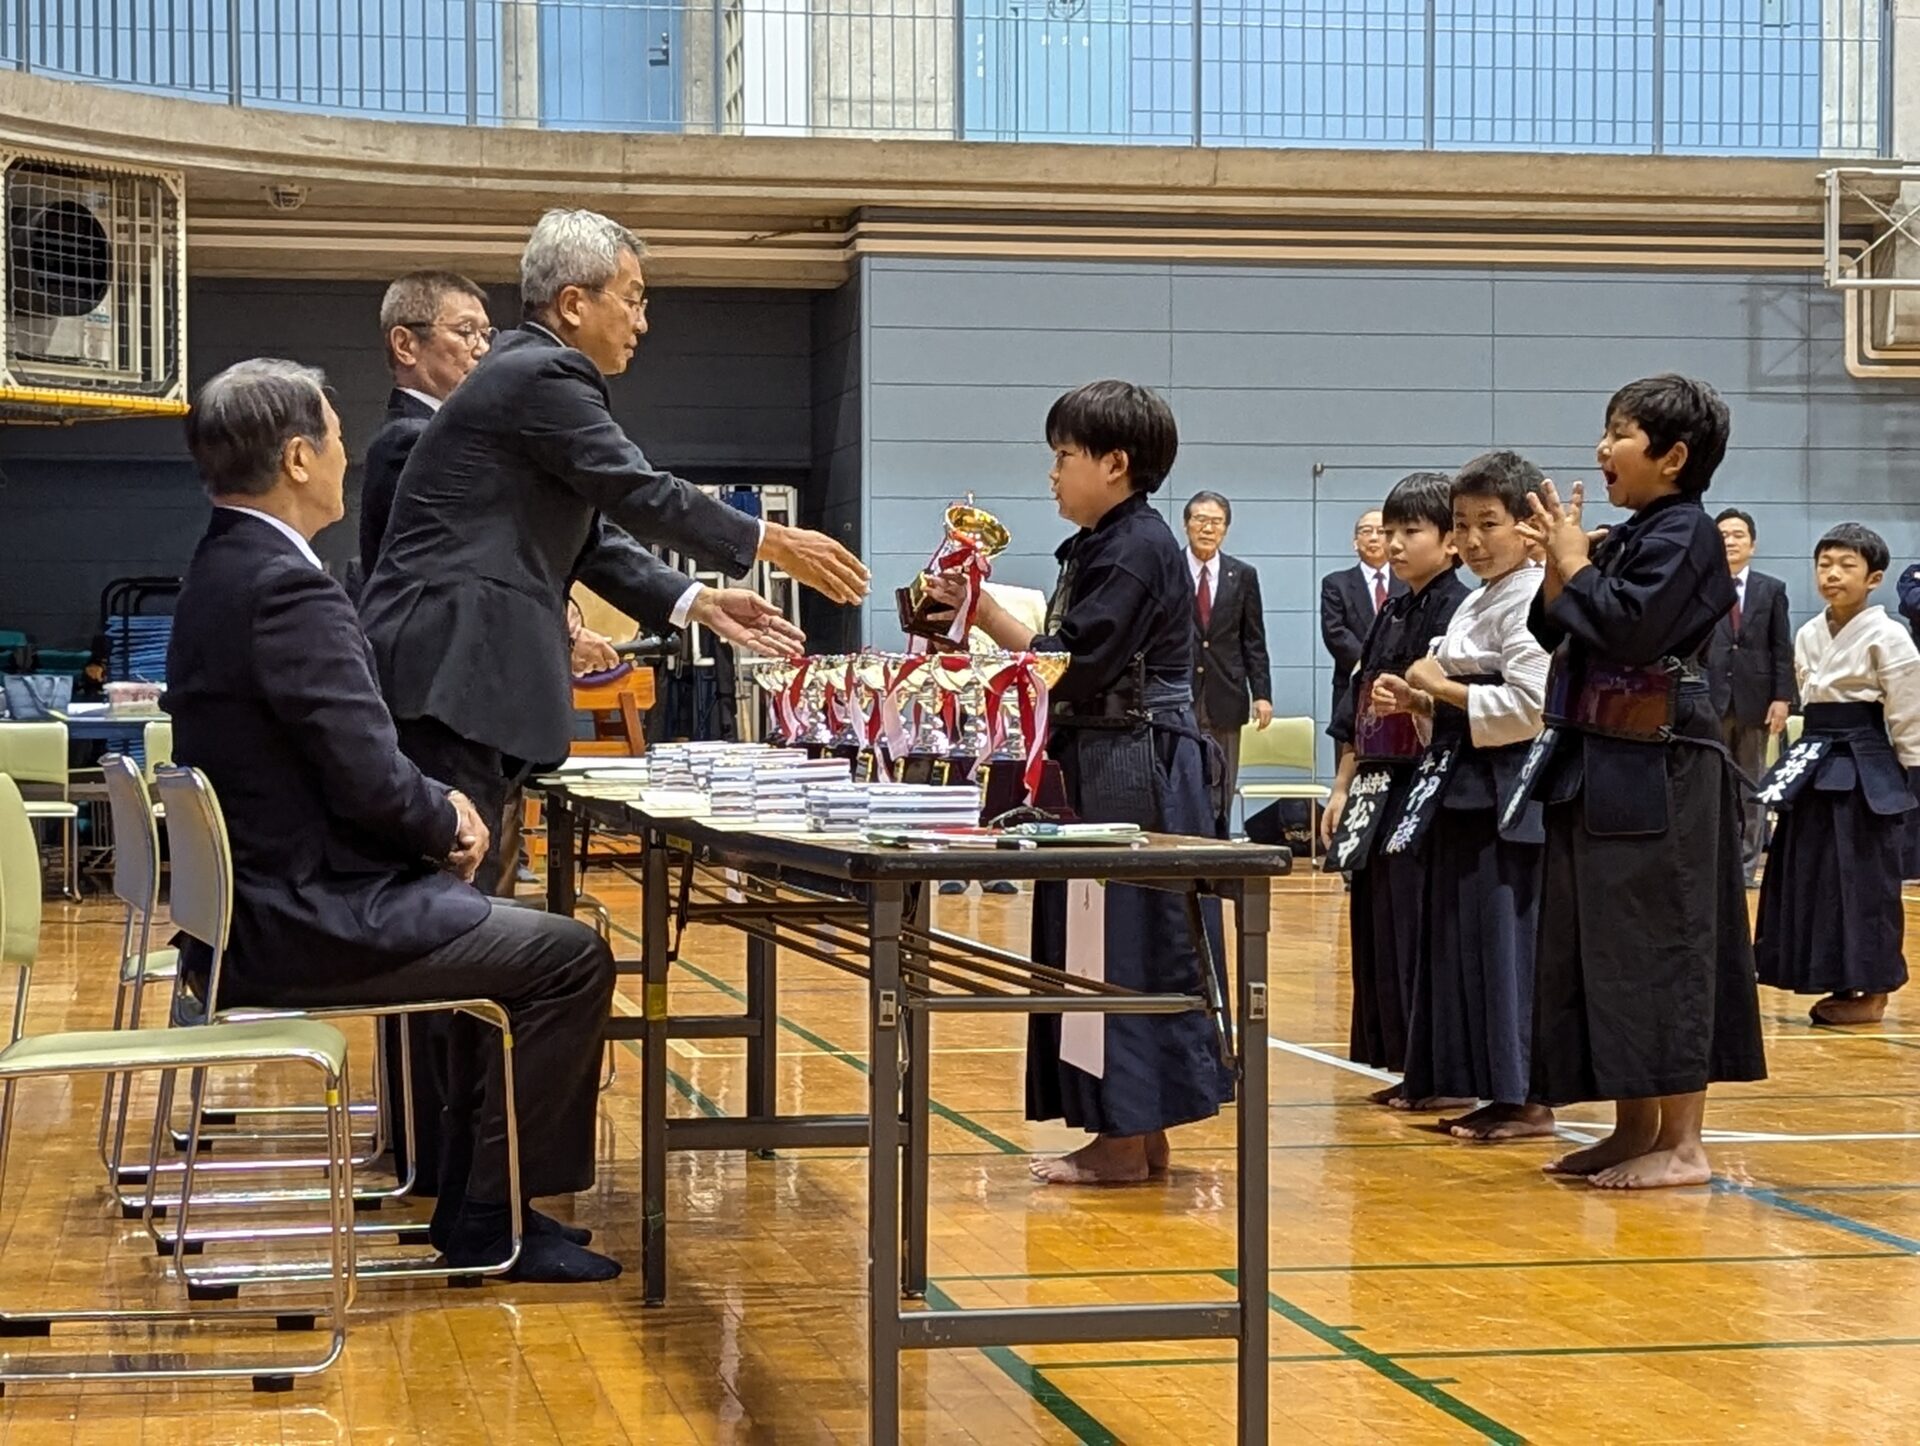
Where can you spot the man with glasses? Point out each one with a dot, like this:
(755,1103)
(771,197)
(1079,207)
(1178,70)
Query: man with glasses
(1350,598)
(436,329)
(1229,638)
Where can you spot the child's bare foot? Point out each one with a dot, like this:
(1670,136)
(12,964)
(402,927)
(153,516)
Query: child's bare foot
(1105,1160)
(1659,1170)
(1390,1096)
(1618,1148)
(1431,1104)
(1497,1124)
(1850,1008)
(1158,1152)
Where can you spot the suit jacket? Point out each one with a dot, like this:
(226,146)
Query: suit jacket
(336,836)
(1908,589)
(1230,653)
(1746,673)
(500,507)
(1346,616)
(407,417)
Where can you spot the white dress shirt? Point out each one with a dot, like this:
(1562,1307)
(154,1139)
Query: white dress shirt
(285,530)
(1377,578)
(431,403)
(1740,591)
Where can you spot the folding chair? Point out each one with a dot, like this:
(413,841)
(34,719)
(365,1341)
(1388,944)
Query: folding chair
(1284,743)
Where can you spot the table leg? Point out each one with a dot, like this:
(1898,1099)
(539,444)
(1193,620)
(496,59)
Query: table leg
(763,1046)
(883,1165)
(562,880)
(1250,1141)
(919,1084)
(653,1072)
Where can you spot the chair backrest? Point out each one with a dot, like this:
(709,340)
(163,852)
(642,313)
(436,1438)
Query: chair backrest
(35,753)
(1283,743)
(615,707)
(157,744)
(136,838)
(201,856)
(19,880)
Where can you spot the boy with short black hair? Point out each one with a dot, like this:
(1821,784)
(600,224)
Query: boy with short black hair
(1644,980)
(1377,754)
(1471,1020)
(1831,921)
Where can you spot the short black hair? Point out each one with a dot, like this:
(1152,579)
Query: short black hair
(1420,497)
(242,419)
(1186,513)
(1113,416)
(1734,514)
(1507,476)
(1852,537)
(1671,408)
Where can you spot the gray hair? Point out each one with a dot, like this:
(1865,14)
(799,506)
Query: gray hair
(572,248)
(1226,507)
(414,301)
(241,421)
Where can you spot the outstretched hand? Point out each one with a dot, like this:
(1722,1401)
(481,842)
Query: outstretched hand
(747,620)
(1554,527)
(815,560)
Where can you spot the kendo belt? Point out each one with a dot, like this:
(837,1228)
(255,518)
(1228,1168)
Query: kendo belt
(1615,700)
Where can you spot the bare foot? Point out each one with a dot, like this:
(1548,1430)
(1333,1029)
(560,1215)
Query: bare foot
(1106,1160)
(1616,1149)
(1433,1103)
(1390,1096)
(1498,1124)
(1658,1170)
(1158,1152)
(1469,1119)
(1850,1009)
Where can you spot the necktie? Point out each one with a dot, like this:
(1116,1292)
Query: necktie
(1203,604)
(1379,591)
(1733,618)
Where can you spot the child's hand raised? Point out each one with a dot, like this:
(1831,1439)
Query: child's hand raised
(1392,695)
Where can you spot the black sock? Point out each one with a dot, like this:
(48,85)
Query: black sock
(535,1223)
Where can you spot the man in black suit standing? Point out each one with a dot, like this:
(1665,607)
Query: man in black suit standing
(1351,597)
(1750,673)
(349,864)
(436,329)
(1230,635)
(506,500)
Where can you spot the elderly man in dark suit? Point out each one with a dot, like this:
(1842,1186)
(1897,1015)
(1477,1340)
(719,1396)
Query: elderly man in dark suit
(1351,597)
(349,863)
(505,501)
(1230,635)
(1750,673)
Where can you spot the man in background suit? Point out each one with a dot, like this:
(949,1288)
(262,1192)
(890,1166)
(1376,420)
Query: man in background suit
(505,502)
(1350,598)
(1230,635)
(349,864)
(1750,673)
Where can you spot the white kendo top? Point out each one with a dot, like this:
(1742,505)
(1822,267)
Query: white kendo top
(1871,660)
(1489,634)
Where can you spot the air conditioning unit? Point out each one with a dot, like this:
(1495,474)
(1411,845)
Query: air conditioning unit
(93,272)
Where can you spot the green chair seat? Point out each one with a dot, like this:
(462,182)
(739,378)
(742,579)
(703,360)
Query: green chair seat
(99,1051)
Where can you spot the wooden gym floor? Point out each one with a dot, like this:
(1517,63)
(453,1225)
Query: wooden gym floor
(1422,1290)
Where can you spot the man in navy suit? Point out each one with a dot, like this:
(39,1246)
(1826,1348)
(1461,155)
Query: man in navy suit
(1749,666)
(1351,597)
(350,865)
(1230,635)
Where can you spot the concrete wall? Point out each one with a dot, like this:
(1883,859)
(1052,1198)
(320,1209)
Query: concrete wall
(833,501)
(1303,394)
(721,388)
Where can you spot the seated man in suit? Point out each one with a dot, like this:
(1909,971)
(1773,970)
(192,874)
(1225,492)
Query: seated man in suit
(1352,597)
(350,865)
(1750,674)
(506,501)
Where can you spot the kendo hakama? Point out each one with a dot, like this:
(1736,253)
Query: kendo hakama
(1831,919)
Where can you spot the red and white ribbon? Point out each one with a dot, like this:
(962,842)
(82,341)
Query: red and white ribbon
(1022,674)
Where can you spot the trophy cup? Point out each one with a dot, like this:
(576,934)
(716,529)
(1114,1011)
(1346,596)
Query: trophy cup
(866,688)
(973,538)
(968,685)
(775,679)
(814,737)
(1004,776)
(926,758)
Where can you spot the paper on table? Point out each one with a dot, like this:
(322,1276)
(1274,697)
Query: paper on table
(1083,1037)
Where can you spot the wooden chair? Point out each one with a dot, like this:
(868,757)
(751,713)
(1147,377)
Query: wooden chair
(615,706)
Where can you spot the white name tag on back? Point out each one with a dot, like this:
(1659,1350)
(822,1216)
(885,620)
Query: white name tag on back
(1083,1037)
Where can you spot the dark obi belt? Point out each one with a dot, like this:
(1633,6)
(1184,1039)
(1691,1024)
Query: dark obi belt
(1614,700)
(1842,747)
(1383,737)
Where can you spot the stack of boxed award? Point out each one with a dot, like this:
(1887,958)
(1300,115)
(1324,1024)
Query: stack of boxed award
(769,785)
(853,806)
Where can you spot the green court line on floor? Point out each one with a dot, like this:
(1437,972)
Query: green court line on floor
(1382,1365)
(686,1087)
(1056,1402)
(1302,1359)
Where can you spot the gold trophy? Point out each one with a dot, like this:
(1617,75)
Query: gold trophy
(973,539)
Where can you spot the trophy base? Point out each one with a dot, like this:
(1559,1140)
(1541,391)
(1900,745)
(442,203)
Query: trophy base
(924,768)
(914,606)
(1003,787)
(960,768)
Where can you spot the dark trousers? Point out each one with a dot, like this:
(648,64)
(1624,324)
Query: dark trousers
(554,977)
(1748,745)
(491,781)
